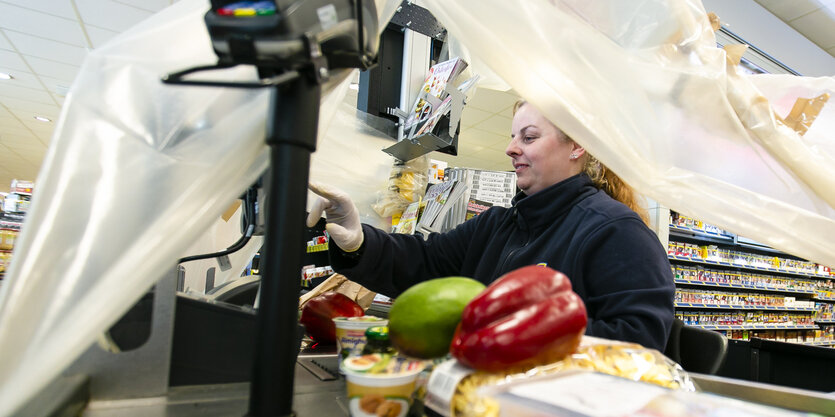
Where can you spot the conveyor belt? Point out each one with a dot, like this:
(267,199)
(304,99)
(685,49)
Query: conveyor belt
(313,398)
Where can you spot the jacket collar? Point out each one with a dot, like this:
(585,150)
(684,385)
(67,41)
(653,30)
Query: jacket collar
(547,205)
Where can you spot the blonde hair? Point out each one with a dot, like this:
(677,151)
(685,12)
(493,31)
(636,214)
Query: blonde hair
(604,179)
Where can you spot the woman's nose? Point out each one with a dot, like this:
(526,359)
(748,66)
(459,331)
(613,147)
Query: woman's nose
(512,148)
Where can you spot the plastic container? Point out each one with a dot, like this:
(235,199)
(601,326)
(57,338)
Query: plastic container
(350,334)
(377,341)
(372,395)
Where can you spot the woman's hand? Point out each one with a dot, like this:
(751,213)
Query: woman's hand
(343,218)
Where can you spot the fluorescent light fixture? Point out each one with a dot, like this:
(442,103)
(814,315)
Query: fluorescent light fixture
(4,76)
(42,119)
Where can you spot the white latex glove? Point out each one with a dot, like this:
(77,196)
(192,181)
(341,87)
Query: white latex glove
(343,218)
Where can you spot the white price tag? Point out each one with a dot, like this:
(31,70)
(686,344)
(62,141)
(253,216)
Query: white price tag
(442,383)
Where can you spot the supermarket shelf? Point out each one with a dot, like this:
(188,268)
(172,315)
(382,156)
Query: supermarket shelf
(821,343)
(745,267)
(701,233)
(830,299)
(830,321)
(317,248)
(722,239)
(742,286)
(754,326)
(743,307)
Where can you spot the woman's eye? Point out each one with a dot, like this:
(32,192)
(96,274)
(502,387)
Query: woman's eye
(529,138)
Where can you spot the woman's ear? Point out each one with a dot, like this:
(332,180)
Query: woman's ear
(576,151)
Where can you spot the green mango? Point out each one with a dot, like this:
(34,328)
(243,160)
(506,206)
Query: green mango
(422,320)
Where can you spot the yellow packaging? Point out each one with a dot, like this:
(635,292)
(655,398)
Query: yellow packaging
(7,238)
(5,257)
(372,395)
(457,389)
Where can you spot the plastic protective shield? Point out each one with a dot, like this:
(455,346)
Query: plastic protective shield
(138,170)
(644,88)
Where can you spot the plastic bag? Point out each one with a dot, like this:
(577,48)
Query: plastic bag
(626,360)
(407,183)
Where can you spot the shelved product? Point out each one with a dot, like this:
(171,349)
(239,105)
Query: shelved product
(317,266)
(14,208)
(7,238)
(730,284)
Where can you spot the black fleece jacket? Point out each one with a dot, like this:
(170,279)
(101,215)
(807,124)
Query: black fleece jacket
(615,262)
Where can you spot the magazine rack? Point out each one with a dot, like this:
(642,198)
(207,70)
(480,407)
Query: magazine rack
(442,138)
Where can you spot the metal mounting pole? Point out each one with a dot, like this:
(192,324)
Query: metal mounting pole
(292,138)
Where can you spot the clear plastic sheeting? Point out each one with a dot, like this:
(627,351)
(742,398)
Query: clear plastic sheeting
(475,392)
(349,156)
(136,172)
(645,89)
(783,91)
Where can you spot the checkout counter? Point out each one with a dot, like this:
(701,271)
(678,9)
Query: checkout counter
(211,364)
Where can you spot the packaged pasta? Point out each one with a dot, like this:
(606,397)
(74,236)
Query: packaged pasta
(455,390)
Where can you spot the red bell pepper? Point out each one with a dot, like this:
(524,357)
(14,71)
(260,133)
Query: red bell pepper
(318,313)
(527,317)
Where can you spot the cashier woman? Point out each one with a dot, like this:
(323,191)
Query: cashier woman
(572,214)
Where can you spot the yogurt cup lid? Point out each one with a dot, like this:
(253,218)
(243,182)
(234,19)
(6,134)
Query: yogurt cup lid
(359,319)
(359,322)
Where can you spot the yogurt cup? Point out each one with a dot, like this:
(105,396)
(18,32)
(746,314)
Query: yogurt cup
(373,395)
(350,335)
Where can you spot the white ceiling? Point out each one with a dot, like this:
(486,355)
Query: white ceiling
(812,18)
(42,45)
(44,42)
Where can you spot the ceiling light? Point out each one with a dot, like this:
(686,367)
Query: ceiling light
(4,76)
(42,119)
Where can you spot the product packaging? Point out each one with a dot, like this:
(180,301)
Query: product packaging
(406,185)
(456,390)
